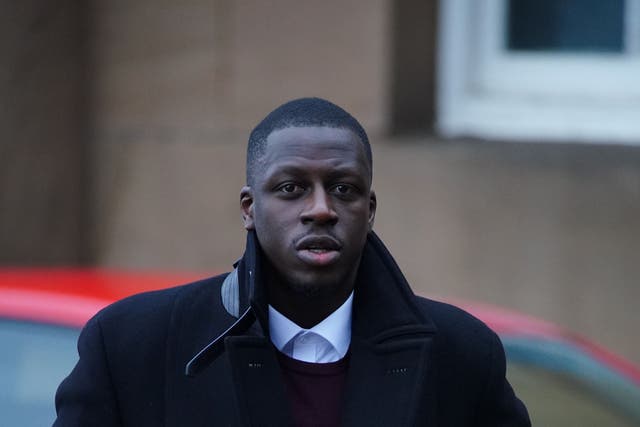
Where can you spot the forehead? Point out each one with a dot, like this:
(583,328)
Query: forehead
(310,146)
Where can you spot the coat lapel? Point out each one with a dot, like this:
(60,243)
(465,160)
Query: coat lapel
(389,381)
(237,383)
(391,373)
(259,391)
(257,382)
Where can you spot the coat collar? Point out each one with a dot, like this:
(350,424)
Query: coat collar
(380,285)
(390,376)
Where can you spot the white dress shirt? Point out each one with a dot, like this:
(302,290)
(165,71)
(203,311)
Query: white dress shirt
(328,341)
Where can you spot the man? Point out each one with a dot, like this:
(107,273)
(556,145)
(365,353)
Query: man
(316,326)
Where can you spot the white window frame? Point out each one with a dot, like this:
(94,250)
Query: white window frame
(486,91)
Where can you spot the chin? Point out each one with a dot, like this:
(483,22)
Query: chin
(313,287)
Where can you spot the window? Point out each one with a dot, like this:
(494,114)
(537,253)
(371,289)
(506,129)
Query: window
(557,70)
(34,358)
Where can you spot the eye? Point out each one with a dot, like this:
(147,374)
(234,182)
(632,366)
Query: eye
(290,188)
(343,189)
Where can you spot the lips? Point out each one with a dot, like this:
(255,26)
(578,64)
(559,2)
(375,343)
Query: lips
(326,243)
(318,250)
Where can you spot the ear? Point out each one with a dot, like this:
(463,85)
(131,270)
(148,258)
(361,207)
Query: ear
(373,203)
(246,207)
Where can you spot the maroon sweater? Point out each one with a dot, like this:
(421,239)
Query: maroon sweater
(315,390)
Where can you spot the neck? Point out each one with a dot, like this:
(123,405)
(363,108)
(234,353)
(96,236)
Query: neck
(305,309)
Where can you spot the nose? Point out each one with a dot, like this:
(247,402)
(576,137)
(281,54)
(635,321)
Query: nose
(319,209)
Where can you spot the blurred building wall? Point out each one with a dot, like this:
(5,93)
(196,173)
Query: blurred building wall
(42,126)
(177,88)
(172,90)
(549,229)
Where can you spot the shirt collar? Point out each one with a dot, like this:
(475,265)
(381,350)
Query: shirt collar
(335,328)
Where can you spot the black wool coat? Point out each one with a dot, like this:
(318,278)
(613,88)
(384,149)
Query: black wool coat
(414,362)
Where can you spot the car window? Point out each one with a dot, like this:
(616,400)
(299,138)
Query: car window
(34,358)
(555,399)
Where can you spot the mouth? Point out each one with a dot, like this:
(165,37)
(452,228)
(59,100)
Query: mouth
(318,251)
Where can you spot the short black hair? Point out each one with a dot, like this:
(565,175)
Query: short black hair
(300,113)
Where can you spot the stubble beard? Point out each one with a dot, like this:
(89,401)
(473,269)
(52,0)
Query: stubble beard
(308,289)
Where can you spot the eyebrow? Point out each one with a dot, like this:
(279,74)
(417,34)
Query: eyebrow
(335,172)
(296,171)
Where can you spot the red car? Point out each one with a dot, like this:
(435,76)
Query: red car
(563,379)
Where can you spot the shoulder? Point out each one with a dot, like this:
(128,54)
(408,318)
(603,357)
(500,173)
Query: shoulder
(450,318)
(472,367)
(128,331)
(459,334)
(149,310)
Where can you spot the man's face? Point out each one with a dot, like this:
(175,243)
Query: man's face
(311,206)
